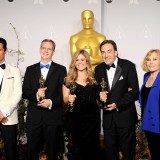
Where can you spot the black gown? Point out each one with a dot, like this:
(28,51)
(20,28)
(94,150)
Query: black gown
(84,123)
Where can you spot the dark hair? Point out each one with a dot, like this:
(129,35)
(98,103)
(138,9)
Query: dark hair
(4,42)
(51,41)
(108,42)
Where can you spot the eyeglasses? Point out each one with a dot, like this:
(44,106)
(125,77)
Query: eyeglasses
(48,49)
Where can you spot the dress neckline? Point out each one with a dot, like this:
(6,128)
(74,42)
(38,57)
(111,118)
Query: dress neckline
(81,84)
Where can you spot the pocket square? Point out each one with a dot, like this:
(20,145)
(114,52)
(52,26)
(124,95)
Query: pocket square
(121,78)
(10,77)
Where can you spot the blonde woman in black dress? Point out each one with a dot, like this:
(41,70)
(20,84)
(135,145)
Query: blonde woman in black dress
(84,118)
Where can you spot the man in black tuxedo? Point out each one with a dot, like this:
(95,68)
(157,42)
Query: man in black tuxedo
(119,116)
(42,86)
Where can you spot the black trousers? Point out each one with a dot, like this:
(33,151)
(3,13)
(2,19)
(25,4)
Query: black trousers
(9,137)
(39,136)
(153,144)
(120,139)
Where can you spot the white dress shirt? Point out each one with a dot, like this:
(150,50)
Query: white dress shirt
(44,72)
(111,73)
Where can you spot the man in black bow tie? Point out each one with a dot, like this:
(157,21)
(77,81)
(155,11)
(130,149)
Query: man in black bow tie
(10,95)
(44,119)
(120,116)
(109,66)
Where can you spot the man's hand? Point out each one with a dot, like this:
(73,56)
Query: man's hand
(4,120)
(111,107)
(1,116)
(129,89)
(41,92)
(45,103)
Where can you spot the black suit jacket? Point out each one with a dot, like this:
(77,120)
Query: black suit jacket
(125,77)
(54,80)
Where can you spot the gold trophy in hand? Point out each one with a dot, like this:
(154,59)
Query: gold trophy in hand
(72,89)
(103,85)
(41,84)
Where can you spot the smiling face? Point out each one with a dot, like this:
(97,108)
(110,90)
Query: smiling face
(46,52)
(2,53)
(81,63)
(153,62)
(108,53)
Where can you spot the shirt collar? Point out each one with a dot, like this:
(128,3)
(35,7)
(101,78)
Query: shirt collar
(115,62)
(46,63)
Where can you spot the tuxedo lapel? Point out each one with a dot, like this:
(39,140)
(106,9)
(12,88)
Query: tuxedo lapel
(51,69)
(117,74)
(7,75)
(4,79)
(38,70)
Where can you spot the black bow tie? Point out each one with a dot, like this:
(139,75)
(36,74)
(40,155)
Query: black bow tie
(108,67)
(3,66)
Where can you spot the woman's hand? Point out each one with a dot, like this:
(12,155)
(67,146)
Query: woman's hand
(71,98)
(103,96)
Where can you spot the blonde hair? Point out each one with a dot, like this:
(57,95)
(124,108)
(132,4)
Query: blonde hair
(72,73)
(144,64)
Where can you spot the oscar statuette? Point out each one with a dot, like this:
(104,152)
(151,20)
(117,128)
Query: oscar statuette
(103,85)
(41,84)
(72,89)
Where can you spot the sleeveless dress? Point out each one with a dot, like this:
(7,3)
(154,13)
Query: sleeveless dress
(84,123)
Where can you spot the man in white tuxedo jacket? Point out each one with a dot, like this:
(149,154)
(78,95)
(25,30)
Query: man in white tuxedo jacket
(10,95)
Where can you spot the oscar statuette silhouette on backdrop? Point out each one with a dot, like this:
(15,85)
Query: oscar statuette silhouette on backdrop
(88,39)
